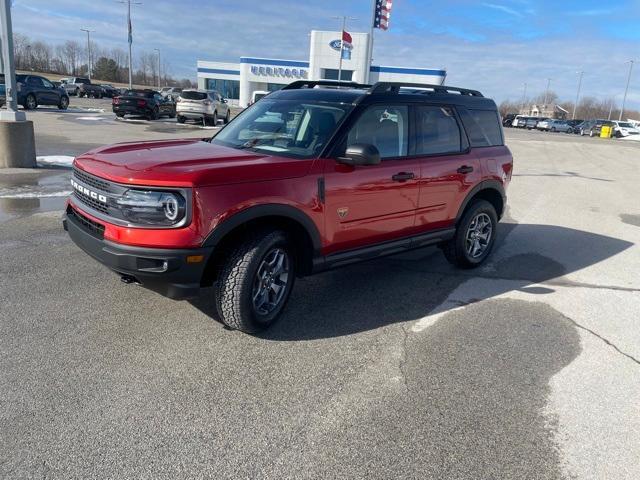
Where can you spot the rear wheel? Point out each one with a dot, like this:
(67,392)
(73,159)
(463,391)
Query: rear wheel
(256,281)
(119,115)
(30,103)
(181,119)
(154,114)
(227,117)
(474,237)
(214,119)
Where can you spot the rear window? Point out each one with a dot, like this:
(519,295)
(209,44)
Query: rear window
(193,95)
(139,93)
(482,126)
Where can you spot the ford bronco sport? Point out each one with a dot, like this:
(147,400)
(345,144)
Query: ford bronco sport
(317,175)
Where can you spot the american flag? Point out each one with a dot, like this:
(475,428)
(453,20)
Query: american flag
(383,12)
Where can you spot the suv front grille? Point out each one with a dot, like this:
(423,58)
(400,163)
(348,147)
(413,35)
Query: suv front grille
(95,204)
(92,228)
(91,180)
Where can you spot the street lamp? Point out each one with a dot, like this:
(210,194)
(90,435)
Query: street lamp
(546,92)
(158,50)
(524,97)
(88,50)
(624,99)
(575,105)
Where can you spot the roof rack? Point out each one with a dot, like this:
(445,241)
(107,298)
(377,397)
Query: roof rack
(298,84)
(394,87)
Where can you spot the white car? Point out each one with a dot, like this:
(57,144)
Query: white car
(206,106)
(624,129)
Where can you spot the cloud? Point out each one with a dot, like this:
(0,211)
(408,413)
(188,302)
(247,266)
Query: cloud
(504,8)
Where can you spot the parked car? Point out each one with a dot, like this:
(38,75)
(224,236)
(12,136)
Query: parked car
(624,129)
(3,93)
(257,95)
(574,125)
(34,90)
(594,127)
(82,87)
(109,90)
(308,179)
(171,92)
(519,121)
(544,124)
(531,122)
(203,105)
(557,125)
(146,103)
(508,119)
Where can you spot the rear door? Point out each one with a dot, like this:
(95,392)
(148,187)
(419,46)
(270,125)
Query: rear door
(449,170)
(376,203)
(50,92)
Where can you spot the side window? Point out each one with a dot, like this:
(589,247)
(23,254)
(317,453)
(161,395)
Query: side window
(437,131)
(482,126)
(47,83)
(34,82)
(386,127)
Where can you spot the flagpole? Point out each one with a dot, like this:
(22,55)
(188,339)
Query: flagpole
(130,41)
(344,21)
(370,44)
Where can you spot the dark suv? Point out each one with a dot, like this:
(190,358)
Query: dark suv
(315,176)
(34,90)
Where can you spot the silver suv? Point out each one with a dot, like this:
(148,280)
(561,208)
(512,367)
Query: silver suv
(204,105)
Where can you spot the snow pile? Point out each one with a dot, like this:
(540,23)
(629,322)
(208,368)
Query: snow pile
(54,161)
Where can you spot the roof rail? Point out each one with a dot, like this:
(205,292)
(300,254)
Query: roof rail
(298,84)
(394,87)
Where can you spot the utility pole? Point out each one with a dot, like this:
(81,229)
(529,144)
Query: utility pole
(546,92)
(344,24)
(158,50)
(130,36)
(6,41)
(88,50)
(575,105)
(624,99)
(524,95)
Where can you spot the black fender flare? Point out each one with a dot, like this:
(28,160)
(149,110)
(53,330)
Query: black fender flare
(260,211)
(484,185)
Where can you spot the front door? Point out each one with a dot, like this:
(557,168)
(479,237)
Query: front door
(372,204)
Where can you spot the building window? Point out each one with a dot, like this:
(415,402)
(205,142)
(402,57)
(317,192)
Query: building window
(332,74)
(226,88)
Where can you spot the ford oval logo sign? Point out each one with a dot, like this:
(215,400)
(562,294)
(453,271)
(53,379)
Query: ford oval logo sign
(335,44)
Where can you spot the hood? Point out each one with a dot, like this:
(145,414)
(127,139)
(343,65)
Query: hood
(186,163)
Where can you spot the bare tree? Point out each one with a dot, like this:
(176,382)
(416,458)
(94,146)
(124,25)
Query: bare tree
(72,52)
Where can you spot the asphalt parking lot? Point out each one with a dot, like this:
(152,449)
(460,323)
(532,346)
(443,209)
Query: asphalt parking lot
(397,368)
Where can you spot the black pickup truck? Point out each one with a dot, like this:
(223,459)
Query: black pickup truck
(82,87)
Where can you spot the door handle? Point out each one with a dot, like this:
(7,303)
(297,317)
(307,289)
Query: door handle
(403,176)
(465,169)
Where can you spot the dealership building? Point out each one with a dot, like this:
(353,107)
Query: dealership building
(237,81)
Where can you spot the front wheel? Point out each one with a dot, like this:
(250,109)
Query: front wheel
(227,118)
(474,237)
(64,103)
(30,102)
(154,114)
(181,119)
(256,281)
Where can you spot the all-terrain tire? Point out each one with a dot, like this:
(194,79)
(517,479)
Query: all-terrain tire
(234,288)
(455,250)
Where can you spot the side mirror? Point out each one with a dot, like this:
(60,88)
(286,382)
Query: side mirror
(360,154)
(224,100)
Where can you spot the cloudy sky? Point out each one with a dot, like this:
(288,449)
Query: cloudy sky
(494,46)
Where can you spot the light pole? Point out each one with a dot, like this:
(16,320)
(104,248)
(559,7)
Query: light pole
(130,36)
(88,50)
(524,96)
(624,99)
(344,24)
(575,105)
(546,92)
(6,42)
(158,50)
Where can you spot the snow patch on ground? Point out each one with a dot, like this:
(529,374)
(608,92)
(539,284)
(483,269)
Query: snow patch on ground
(54,161)
(32,192)
(633,138)
(91,118)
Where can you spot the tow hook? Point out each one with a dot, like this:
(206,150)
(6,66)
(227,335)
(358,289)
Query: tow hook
(129,279)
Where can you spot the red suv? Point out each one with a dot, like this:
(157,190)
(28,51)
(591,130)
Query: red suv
(315,176)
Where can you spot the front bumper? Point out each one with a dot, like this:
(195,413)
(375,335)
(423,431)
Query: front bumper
(164,271)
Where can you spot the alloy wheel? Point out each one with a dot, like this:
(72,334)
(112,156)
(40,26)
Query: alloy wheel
(270,281)
(478,236)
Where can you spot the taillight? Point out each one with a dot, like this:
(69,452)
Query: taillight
(179,99)
(116,100)
(142,103)
(207,102)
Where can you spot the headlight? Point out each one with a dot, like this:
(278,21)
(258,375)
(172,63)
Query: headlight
(152,208)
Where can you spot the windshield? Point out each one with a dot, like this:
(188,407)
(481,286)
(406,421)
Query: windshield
(625,125)
(286,127)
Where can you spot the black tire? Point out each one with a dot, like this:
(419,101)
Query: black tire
(79,94)
(456,251)
(64,103)
(227,118)
(120,115)
(553,129)
(153,114)
(239,279)
(30,103)
(214,119)
(76,92)
(591,133)
(181,119)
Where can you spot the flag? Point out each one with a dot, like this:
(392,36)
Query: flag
(382,14)
(130,32)
(347,45)
(346,37)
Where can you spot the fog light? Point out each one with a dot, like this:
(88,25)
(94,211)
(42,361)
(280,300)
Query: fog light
(195,258)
